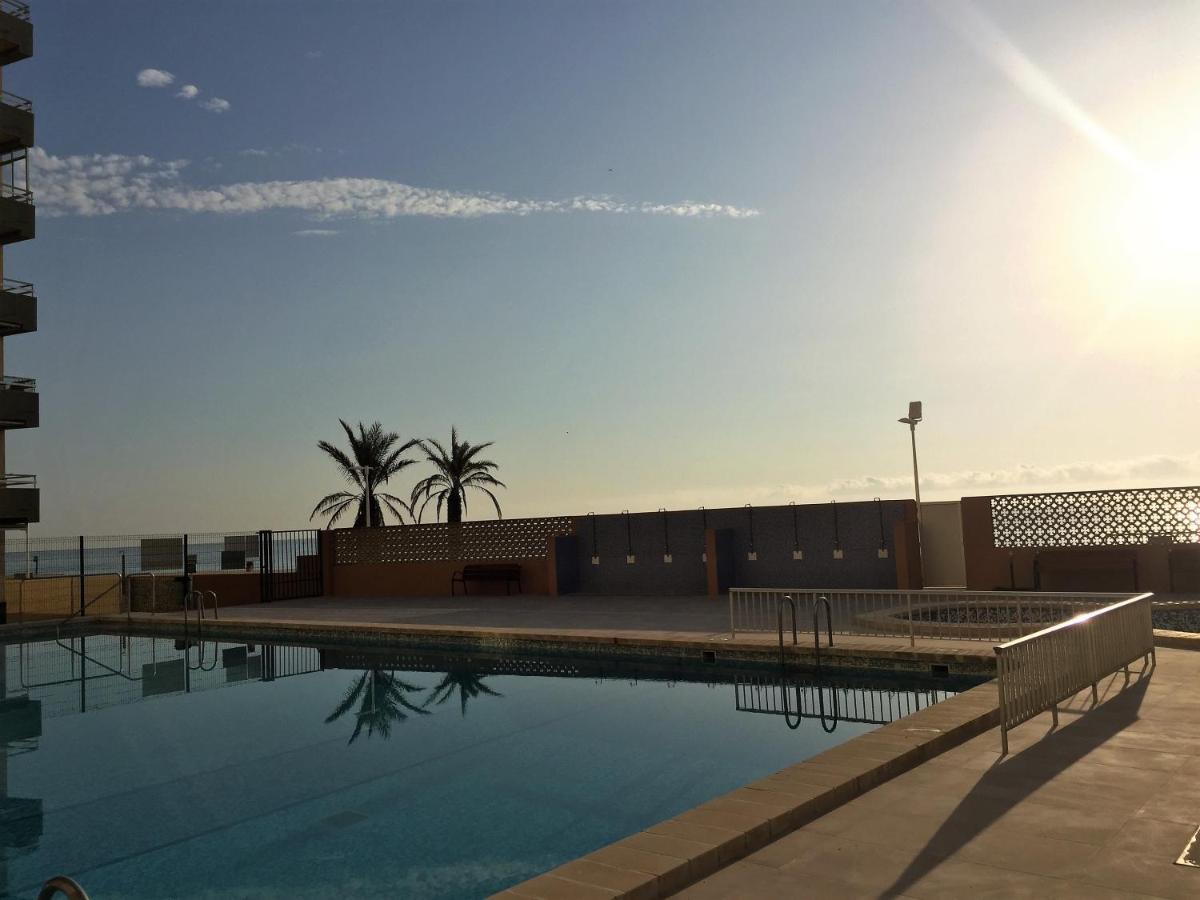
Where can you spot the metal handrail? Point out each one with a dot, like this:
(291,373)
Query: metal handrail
(213,594)
(12,192)
(792,604)
(15,8)
(16,101)
(816,624)
(82,611)
(13,286)
(65,885)
(13,479)
(15,383)
(1038,671)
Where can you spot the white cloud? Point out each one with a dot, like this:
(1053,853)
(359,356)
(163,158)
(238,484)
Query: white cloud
(1137,472)
(317,232)
(1145,471)
(188,92)
(315,54)
(216,104)
(102,185)
(154,78)
(254,151)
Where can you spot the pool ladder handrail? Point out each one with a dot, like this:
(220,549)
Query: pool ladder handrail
(829,727)
(63,884)
(198,597)
(791,603)
(816,604)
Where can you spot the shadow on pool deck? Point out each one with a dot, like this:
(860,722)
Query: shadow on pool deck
(1015,778)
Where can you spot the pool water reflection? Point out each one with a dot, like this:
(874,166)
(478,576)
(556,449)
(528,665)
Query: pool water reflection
(346,772)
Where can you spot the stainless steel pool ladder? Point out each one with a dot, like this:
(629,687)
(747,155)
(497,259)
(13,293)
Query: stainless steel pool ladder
(827,725)
(198,598)
(62,884)
(818,602)
(791,603)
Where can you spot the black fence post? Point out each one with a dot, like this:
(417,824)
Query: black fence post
(82,594)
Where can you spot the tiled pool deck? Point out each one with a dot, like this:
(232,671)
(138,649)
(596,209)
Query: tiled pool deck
(923,807)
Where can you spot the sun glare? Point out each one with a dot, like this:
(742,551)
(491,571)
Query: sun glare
(1159,225)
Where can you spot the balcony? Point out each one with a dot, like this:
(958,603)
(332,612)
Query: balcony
(18,402)
(18,308)
(16,210)
(20,503)
(16,122)
(16,32)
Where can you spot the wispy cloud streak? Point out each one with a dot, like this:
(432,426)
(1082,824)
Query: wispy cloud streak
(104,185)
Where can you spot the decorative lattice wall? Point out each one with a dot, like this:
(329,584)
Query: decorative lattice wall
(1097,518)
(499,539)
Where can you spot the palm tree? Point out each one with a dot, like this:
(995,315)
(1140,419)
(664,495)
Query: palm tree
(372,460)
(456,471)
(381,701)
(463,679)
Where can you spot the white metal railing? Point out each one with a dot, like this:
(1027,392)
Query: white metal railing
(1040,670)
(12,480)
(962,615)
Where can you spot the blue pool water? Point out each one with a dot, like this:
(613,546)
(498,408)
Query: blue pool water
(254,771)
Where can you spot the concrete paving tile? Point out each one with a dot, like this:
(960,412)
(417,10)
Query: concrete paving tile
(1138,872)
(730,841)
(953,880)
(550,887)
(790,848)
(629,885)
(1037,854)
(1161,839)
(743,882)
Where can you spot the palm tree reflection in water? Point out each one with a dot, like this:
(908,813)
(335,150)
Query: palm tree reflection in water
(464,679)
(381,701)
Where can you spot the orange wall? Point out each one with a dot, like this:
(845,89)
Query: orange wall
(1068,569)
(232,588)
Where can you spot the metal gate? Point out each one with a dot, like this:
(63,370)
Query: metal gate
(290,564)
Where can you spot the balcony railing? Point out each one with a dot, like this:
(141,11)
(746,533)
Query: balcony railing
(24,288)
(15,8)
(13,383)
(14,480)
(16,102)
(20,194)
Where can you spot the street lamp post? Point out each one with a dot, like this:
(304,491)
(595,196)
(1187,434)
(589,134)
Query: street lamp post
(911,420)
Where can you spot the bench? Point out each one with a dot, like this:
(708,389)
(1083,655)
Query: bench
(506,572)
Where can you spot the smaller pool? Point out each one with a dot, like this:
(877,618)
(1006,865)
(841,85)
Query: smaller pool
(148,768)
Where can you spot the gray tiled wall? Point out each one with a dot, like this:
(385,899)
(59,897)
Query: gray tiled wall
(776,532)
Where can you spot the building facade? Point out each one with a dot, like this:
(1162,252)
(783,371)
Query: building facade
(19,402)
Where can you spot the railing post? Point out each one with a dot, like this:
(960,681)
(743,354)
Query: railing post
(912,635)
(1003,713)
(82,595)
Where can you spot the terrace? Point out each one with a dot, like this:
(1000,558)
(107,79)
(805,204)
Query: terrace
(1091,795)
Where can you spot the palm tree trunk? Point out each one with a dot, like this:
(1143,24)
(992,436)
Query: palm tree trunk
(454,506)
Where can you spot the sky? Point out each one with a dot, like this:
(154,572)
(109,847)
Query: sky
(662,254)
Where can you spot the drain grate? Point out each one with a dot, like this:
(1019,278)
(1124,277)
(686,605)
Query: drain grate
(1191,853)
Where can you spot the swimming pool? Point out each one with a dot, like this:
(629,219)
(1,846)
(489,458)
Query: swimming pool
(145,768)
